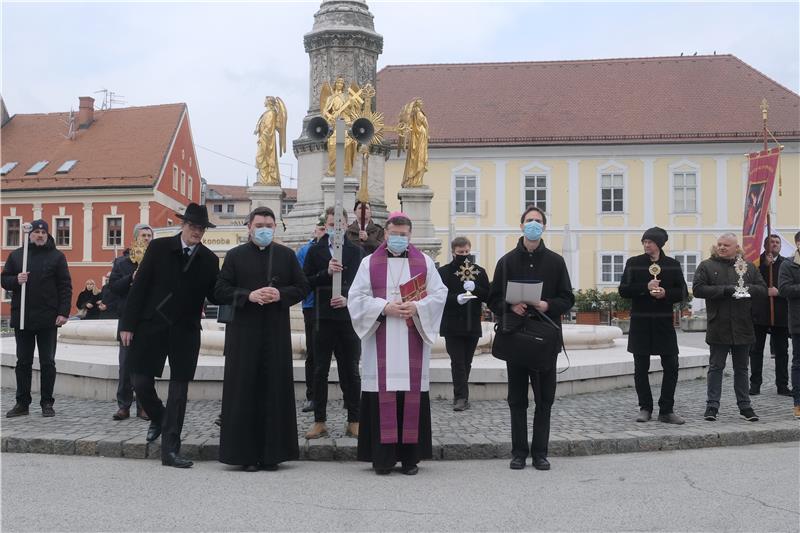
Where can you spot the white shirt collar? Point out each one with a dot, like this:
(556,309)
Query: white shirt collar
(184,246)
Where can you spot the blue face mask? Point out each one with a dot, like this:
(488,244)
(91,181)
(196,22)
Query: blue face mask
(397,244)
(263,236)
(533,230)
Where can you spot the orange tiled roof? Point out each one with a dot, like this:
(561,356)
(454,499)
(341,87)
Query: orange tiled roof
(611,101)
(123,147)
(227,192)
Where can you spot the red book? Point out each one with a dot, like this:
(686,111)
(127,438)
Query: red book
(413,290)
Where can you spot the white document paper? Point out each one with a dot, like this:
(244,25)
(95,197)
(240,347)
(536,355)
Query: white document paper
(527,292)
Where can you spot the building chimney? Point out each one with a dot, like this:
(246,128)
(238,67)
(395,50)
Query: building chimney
(85,112)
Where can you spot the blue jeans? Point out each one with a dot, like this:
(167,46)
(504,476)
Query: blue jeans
(740,356)
(796,367)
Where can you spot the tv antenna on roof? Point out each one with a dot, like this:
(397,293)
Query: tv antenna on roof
(110,98)
(70,122)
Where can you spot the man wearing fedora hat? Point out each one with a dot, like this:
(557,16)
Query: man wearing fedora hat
(162,321)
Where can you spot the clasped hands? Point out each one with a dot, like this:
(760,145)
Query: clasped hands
(402,310)
(265,295)
(656,290)
(521,308)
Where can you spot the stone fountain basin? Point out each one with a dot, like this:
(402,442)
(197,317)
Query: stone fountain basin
(212,340)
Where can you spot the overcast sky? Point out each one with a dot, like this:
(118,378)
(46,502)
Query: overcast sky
(222,59)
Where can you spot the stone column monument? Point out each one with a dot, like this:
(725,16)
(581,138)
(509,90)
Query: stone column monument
(342,43)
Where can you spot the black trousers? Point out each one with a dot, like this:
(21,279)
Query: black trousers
(124,383)
(461,349)
(170,417)
(308,321)
(543,384)
(27,340)
(779,341)
(329,335)
(641,368)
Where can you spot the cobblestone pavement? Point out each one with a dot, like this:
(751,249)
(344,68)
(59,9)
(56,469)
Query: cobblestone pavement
(583,424)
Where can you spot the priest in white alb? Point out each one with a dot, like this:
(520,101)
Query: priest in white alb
(396,339)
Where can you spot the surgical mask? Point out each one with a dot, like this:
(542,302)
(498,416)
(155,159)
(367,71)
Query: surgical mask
(461,258)
(397,244)
(263,236)
(331,231)
(533,230)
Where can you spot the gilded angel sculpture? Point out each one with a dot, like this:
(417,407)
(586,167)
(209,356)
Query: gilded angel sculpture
(333,104)
(271,124)
(413,138)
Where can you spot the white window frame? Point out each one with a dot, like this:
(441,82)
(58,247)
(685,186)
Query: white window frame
(536,169)
(121,246)
(697,258)
(214,208)
(54,220)
(612,254)
(684,167)
(5,231)
(174,177)
(183,182)
(8,167)
(230,209)
(612,167)
(189,187)
(466,170)
(5,298)
(284,204)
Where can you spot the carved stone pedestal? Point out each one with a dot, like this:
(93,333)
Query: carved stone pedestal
(416,203)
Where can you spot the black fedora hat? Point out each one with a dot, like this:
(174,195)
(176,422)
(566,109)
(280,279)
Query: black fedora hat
(196,214)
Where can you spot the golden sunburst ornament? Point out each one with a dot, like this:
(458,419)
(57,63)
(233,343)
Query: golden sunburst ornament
(377,122)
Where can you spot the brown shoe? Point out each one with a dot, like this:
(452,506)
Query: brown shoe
(351,430)
(141,413)
(122,414)
(318,430)
(797,411)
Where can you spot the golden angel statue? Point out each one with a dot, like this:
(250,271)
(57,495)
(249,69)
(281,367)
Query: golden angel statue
(271,124)
(334,103)
(413,138)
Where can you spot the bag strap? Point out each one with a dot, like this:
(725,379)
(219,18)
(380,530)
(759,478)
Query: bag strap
(561,336)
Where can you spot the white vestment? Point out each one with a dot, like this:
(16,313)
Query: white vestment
(365,310)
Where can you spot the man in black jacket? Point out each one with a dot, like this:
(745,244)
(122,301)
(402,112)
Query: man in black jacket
(653,293)
(789,287)
(123,272)
(461,321)
(771,315)
(332,326)
(531,260)
(48,298)
(162,320)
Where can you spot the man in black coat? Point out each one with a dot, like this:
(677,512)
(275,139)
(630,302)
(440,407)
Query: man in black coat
(261,280)
(370,236)
(48,298)
(461,321)
(162,320)
(789,288)
(653,293)
(531,260)
(333,328)
(119,284)
(771,315)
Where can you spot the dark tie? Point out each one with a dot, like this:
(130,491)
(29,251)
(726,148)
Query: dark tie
(186,253)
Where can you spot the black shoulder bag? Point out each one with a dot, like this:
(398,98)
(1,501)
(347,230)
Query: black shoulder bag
(531,340)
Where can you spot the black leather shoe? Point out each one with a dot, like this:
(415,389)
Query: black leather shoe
(517,463)
(541,463)
(153,432)
(17,410)
(250,468)
(308,406)
(754,390)
(785,392)
(173,459)
(269,467)
(383,471)
(410,470)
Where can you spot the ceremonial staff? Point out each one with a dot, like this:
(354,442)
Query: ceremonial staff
(26,232)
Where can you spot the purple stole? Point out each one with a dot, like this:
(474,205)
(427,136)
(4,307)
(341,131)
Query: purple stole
(387,401)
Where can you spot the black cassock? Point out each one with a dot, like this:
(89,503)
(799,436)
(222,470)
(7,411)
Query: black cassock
(259,420)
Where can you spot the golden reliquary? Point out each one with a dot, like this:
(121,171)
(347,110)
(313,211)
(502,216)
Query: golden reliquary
(136,253)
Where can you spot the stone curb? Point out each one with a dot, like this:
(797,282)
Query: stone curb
(444,448)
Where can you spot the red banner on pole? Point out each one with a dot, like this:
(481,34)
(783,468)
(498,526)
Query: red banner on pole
(760,181)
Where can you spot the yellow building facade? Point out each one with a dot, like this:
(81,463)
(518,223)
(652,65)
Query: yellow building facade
(598,199)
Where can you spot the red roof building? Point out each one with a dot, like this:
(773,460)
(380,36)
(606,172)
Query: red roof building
(92,176)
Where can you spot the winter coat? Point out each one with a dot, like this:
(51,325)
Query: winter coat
(652,331)
(457,319)
(374,236)
(541,264)
(49,292)
(761,307)
(730,320)
(87,296)
(789,288)
(315,267)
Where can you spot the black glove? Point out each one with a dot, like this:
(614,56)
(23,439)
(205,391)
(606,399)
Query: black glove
(728,290)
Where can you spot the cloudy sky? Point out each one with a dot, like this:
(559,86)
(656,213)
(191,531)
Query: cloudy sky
(222,59)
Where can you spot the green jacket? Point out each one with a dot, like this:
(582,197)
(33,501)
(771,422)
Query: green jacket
(730,321)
